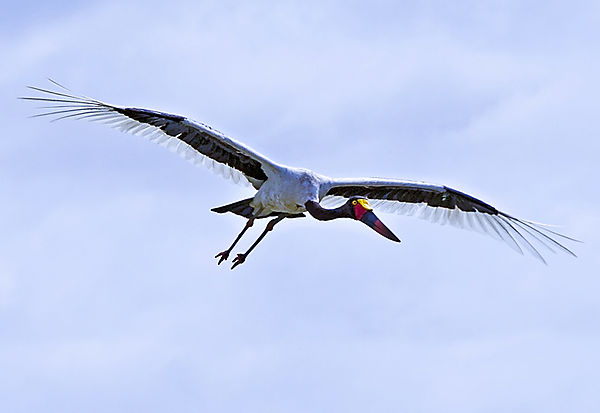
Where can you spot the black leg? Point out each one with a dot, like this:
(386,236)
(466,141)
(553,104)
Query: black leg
(225,254)
(242,257)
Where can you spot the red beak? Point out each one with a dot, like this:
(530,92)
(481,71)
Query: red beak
(371,220)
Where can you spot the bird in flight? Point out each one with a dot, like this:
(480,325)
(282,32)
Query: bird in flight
(287,192)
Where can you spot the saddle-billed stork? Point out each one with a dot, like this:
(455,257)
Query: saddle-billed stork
(286,192)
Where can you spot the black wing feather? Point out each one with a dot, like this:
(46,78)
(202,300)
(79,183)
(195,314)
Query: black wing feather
(449,198)
(457,208)
(202,138)
(202,141)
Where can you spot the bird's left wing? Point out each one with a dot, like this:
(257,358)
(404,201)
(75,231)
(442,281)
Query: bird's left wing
(444,205)
(194,141)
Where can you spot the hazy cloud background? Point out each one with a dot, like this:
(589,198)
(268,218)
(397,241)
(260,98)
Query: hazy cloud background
(110,299)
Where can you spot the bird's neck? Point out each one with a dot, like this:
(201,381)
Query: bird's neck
(324,214)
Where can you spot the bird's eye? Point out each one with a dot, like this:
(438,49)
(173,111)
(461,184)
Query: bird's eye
(354,202)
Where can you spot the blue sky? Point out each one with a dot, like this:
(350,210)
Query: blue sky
(110,299)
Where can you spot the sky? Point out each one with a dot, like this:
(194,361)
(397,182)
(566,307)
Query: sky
(111,300)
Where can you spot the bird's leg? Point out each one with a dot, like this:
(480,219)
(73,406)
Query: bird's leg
(225,254)
(242,257)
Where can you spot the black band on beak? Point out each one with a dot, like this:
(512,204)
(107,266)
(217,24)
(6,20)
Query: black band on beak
(375,223)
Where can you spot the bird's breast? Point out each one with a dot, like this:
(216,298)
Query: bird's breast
(287,192)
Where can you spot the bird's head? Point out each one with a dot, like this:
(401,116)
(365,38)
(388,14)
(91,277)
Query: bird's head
(358,208)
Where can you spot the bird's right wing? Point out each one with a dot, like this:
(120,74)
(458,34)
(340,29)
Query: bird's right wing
(194,141)
(444,205)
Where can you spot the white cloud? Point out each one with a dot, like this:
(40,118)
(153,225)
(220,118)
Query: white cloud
(109,295)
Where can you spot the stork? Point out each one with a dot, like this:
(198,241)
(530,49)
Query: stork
(287,192)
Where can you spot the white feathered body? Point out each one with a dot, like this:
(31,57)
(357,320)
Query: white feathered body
(287,190)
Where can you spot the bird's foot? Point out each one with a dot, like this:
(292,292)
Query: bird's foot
(223,256)
(238,260)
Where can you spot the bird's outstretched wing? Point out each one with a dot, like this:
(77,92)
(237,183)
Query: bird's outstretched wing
(194,141)
(444,205)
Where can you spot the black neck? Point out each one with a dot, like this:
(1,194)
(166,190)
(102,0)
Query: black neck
(324,214)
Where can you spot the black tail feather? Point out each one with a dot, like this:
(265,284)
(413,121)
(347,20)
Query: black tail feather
(244,209)
(241,208)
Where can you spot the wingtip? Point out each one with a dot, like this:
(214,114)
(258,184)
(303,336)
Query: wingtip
(58,84)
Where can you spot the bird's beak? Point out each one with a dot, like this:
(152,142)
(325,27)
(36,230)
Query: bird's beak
(375,223)
(364,212)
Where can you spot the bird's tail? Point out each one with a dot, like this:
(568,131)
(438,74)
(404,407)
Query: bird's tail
(241,208)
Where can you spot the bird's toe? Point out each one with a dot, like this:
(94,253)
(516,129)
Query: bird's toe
(238,260)
(223,256)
